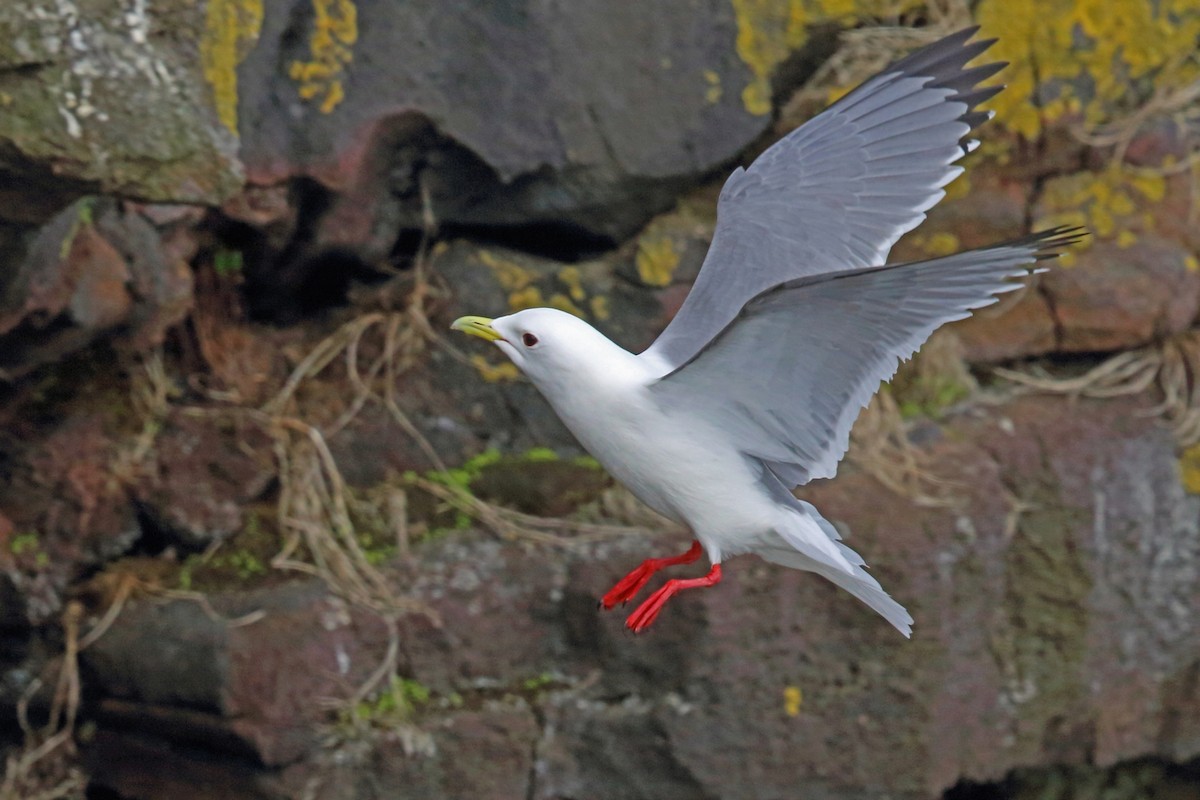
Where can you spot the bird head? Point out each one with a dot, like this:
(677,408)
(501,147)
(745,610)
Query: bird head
(548,345)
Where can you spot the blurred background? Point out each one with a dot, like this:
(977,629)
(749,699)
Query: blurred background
(266,531)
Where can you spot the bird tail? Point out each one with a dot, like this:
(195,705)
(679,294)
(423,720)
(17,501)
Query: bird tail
(816,546)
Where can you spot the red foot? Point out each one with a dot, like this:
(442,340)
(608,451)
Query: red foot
(647,612)
(631,584)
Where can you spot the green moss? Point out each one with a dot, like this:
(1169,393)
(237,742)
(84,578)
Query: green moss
(26,542)
(539,683)
(1041,647)
(930,395)
(27,547)
(400,701)
(228,262)
(83,217)
(244,558)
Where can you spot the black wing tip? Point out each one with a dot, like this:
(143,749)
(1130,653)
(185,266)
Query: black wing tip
(945,62)
(1049,243)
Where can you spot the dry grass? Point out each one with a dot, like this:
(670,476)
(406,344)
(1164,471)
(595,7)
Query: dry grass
(879,445)
(1171,366)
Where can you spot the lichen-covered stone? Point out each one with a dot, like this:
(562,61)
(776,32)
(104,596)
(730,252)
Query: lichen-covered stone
(106,96)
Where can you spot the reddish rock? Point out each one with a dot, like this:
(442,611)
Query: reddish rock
(985,206)
(68,494)
(94,270)
(1115,297)
(204,472)
(485,754)
(174,670)
(1020,325)
(261,206)
(100,297)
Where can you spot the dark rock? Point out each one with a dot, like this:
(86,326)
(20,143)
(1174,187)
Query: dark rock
(1032,638)
(118,762)
(494,281)
(254,690)
(486,754)
(1056,623)
(586,119)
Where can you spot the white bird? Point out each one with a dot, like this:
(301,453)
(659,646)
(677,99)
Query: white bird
(788,330)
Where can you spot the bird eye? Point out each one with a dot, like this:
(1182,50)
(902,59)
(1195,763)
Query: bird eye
(528,339)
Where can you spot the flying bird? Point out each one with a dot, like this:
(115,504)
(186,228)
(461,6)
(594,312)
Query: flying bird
(791,325)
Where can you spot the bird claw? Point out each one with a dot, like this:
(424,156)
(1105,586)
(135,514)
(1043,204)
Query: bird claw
(647,612)
(628,587)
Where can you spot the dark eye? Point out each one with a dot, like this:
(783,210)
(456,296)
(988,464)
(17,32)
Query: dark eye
(528,339)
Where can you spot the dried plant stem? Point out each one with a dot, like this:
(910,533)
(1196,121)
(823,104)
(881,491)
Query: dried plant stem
(1172,366)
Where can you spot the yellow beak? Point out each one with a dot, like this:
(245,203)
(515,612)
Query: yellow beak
(476,326)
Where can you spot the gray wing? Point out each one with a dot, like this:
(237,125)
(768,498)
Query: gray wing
(837,192)
(788,378)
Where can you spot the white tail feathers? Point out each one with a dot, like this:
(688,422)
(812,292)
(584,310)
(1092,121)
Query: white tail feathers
(817,549)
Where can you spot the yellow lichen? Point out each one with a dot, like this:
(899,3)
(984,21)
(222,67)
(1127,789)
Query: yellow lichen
(1090,51)
(335,30)
(792,698)
(563,303)
(1191,263)
(656,260)
(767,32)
(600,309)
(1189,469)
(572,279)
(494,373)
(1106,202)
(509,274)
(1126,238)
(529,297)
(936,244)
(231,28)
(713,93)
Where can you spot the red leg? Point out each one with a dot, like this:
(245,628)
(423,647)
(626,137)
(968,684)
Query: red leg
(647,612)
(632,583)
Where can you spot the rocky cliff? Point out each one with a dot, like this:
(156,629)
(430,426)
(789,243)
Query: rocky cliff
(266,532)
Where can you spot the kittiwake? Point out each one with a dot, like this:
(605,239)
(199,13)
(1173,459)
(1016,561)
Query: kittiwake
(792,323)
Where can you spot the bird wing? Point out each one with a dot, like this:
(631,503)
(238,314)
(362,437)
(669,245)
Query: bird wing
(837,192)
(786,380)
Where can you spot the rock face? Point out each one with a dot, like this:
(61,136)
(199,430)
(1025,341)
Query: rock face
(176,175)
(95,271)
(109,97)
(583,117)
(1056,608)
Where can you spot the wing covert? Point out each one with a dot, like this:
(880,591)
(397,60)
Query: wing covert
(838,191)
(787,379)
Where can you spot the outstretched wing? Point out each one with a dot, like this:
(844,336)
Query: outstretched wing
(787,379)
(837,192)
